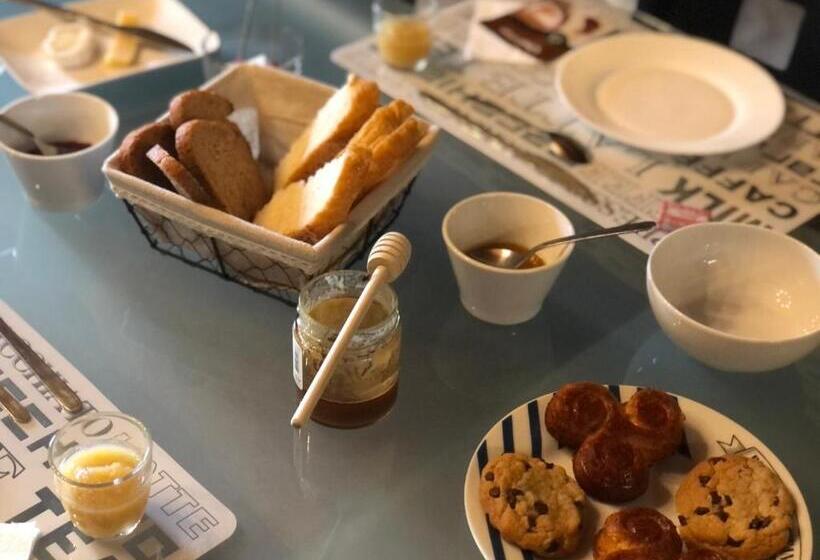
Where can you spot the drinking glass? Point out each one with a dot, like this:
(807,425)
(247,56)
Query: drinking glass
(102,470)
(403,33)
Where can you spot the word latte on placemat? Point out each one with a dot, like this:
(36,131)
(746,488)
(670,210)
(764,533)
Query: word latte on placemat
(183,520)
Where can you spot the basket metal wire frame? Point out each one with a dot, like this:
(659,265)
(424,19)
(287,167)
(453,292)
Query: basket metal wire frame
(219,258)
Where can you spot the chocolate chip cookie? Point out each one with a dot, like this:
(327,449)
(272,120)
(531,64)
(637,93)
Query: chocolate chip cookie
(736,507)
(533,504)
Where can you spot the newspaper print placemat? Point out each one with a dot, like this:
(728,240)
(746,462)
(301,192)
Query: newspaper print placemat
(183,520)
(503,110)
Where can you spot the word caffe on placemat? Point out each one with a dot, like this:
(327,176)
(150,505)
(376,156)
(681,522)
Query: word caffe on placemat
(183,520)
(504,110)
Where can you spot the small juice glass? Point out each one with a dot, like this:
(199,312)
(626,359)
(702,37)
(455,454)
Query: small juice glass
(403,33)
(102,472)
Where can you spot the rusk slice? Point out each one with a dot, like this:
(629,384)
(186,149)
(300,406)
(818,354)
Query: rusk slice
(220,159)
(381,123)
(133,159)
(334,125)
(198,104)
(181,179)
(309,210)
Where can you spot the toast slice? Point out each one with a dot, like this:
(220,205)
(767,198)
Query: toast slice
(332,128)
(382,122)
(132,154)
(181,179)
(392,150)
(198,104)
(219,158)
(309,210)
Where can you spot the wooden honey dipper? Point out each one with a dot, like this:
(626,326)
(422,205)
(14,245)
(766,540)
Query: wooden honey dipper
(386,262)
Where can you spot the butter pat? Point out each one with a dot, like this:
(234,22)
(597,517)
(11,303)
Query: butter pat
(71,45)
(124,48)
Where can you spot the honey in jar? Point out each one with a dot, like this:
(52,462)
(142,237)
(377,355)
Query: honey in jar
(364,386)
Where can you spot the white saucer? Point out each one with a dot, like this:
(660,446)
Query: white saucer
(670,93)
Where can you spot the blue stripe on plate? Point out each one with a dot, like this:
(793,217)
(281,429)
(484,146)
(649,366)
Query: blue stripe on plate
(535,428)
(616,391)
(507,433)
(527,554)
(495,538)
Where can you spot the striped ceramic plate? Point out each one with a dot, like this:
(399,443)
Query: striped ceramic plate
(708,433)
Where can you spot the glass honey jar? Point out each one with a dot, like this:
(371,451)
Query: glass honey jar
(365,384)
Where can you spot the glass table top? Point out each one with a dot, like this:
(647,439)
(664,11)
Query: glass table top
(207,363)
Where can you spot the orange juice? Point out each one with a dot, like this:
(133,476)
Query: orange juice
(101,491)
(404,41)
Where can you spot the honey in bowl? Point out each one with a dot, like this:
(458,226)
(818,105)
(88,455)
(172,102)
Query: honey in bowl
(404,42)
(100,490)
(533,262)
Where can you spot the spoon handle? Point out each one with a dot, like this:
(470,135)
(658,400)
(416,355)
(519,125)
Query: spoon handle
(605,232)
(18,127)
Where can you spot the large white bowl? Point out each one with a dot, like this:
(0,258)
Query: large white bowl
(736,297)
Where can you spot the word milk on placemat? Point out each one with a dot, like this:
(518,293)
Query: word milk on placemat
(183,520)
(505,110)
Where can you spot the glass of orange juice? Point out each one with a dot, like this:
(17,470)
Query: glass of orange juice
(403,34)
(102,472)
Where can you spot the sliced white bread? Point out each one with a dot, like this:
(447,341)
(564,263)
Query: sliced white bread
(334,125)
(309,210)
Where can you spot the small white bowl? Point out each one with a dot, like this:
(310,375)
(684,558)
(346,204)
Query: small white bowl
(68,182)
(736,297)
(497,295)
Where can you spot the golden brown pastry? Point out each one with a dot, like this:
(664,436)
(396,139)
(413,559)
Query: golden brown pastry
(637,534)
(577,410)
(609,468)
(657,422)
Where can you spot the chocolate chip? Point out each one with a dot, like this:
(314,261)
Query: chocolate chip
(527,466)
(682,520)
(549,466)
(776,501)
(553,547)
(531,521)
(512,496)
(733,543)
(541,508)
(704,480)
(495,492)
(701,510)
(489,477)
(715,497)
(760,523)
(728,499)
(722,515)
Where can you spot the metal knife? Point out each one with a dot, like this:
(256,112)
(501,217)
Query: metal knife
(17,410)
(542,164)
(142,32)
(64,394)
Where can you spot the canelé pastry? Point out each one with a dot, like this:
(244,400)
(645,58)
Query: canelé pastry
(735,506)
(609,468)
(637,534)
(577,410)
(533,504)
(657,422)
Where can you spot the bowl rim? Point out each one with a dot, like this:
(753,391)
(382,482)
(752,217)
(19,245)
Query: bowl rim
(111,113)
(494,269)
(650,280)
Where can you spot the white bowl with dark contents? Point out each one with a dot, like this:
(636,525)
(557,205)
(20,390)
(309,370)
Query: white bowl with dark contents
(736,297)
(82,127)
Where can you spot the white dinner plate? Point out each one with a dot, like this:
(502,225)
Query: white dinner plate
(670,93)
(21,38)
(707,434)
